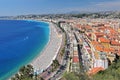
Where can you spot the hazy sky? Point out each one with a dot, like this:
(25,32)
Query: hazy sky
(19,7)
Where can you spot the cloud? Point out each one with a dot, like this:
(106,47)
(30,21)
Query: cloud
(113,5)
(109,4)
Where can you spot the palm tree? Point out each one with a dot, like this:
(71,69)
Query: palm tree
(30,66)
(17,76)
(22,69)
(25,73)
(55,63)
(13,78)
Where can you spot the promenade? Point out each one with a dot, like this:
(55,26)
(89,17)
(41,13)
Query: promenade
(44,60)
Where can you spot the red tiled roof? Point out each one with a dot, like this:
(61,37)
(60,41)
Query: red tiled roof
(94,42)
(112,31)
(99,34)
(115,43)
(75,59)
(88,27)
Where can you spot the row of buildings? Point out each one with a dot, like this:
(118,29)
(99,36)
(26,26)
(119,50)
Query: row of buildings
(100,42)
(74,65)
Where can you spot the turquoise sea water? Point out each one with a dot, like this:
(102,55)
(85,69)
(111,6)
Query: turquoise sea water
(20,42)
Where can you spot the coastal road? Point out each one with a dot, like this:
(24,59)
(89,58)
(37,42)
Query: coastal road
(47,74)
(60,71)
(62,68)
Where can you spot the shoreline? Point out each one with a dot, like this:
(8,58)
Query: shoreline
(49,53)
(40,52)
(44,60)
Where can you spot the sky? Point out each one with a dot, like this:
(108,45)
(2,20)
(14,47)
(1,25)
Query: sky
(24,7)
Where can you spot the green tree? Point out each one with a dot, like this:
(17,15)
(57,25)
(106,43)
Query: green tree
(25,73)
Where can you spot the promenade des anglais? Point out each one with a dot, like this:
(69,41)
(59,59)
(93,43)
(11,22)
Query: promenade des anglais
(60,40)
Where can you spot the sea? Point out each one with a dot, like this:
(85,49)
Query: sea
(20,42)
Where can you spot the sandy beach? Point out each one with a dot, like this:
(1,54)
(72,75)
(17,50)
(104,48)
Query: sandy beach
(44,60)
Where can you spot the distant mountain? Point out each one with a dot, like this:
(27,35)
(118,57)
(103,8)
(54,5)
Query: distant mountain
(100,14)
(73,12)
(79,12)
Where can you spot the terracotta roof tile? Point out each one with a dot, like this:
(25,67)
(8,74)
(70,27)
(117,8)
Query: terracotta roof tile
(104,40)
(99,34)
(113,42)
(95,70)
(106,49)
(75,59)
(99,48)
(94,42)
(112,50)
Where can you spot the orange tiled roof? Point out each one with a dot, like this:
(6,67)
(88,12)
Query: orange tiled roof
(106,50)
(112,31)
(97,45)
(88,27)
(99,34)
(115,43)
(94,42)
(99,48)
(95,70)
(104,40)
(112,50)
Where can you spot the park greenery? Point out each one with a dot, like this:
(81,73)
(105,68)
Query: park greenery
(74,76)
(55,65)
(112,73)
(25,73)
